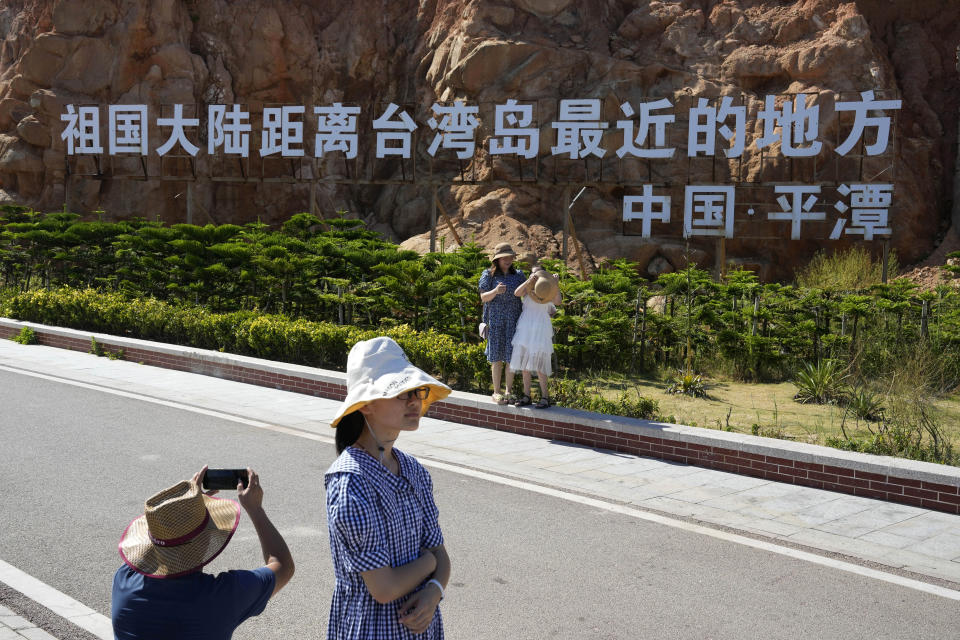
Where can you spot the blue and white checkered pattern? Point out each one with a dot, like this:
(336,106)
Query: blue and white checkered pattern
(501,314)
(376,519)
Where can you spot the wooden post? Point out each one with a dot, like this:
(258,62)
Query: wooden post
(576,248)
(641,309)
(448,220)
(816,334)
(633,339)
(720,261)
(67,208)
(955,216)
(886,260)
(190,202)
(756,312)
(433,221)
(924,316)
(643,337)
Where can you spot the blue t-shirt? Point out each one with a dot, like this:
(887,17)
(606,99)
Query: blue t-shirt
(198,605)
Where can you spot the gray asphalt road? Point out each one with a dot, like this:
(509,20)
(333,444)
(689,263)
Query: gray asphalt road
(76,465)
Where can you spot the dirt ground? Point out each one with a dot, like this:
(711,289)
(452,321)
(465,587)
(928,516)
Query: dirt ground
(928,274)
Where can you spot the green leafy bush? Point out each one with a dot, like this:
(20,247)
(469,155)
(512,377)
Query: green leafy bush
(575,394)
(850,270)
(687,383)
(909,431)
(275,337)
(865,405)
(908,425)
(26,336)
(822,382)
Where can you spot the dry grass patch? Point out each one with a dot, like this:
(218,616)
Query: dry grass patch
(738,406)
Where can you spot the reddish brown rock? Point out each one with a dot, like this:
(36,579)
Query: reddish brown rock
(89,17)
(33,131)
(415,52)
(12,111)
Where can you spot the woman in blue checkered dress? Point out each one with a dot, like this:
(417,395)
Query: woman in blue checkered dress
(501,309)
(390,563)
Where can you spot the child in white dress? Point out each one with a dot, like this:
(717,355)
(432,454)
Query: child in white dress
(533,338)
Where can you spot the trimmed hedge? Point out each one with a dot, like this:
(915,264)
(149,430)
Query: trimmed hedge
(273,337)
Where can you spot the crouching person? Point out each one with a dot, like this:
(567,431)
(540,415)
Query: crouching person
(161,591)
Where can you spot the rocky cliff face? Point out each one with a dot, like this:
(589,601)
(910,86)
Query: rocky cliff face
(163,52)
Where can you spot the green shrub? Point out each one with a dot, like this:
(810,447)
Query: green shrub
(26,336)
(821,383)
(908,425)
(865,405)
(577,395)
(687,383)
(274,337)
(851,270)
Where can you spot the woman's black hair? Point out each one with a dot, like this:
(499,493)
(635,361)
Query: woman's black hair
(495,267)
(348,430)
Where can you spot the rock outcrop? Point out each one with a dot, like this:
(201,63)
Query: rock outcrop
(415,52)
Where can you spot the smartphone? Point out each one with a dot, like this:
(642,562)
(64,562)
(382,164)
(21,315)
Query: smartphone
(221,479)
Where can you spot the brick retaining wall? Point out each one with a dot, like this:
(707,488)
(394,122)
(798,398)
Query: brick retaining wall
(922,484)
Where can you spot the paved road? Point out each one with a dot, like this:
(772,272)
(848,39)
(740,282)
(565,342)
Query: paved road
(77,465)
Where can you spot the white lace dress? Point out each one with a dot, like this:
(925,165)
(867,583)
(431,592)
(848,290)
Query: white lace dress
(533,339)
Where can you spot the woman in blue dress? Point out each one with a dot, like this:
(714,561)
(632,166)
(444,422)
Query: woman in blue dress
(501,309)
(388,555)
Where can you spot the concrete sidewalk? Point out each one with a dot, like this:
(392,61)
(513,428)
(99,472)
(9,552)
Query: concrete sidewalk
(908,540)
(14,627)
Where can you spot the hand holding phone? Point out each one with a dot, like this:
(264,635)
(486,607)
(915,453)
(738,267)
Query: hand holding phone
(224,479)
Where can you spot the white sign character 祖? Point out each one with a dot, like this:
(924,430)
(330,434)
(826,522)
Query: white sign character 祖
(82,132)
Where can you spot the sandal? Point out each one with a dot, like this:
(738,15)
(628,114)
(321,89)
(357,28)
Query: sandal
(524,401)
(543,403)
(499,398)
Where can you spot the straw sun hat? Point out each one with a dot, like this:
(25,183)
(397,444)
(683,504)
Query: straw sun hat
(502,250)
(180,531)
(546,287)
(378,368)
